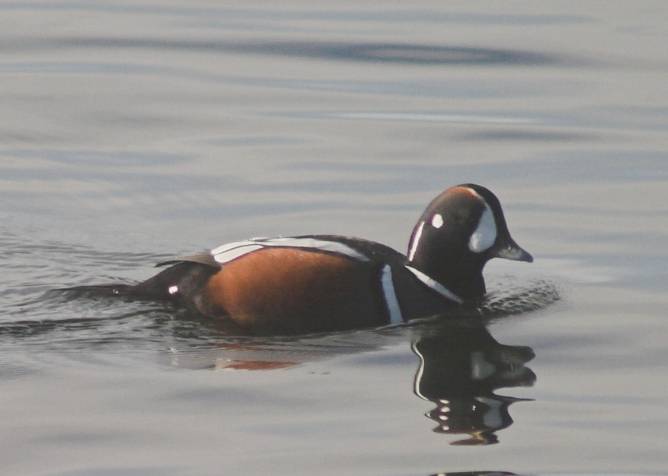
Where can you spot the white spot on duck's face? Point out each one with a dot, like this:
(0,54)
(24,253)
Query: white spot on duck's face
(173,289)
(437,220)
(485,233)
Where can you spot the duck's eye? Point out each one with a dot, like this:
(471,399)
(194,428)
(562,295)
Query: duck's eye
(437,220)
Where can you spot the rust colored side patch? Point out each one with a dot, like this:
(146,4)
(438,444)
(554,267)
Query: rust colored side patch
(293,291)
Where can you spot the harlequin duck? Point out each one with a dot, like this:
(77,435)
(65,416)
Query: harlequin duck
(315,283)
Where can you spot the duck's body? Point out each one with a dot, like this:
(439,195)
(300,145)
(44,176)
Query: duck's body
(317,283)
(301,284)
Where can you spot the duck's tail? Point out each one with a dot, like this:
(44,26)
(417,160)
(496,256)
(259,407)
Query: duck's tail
(177,281)
(103,290)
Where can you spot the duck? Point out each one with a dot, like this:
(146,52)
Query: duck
(322,283)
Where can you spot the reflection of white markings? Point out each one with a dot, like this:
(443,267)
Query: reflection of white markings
(418,375)
(481,368)
(492,417)
(437,220)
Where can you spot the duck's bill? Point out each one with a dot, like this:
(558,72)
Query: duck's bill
(514,252)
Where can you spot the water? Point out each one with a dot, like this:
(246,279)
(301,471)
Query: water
(133,132)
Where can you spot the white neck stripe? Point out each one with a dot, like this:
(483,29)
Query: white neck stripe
(390,296)
(434,285)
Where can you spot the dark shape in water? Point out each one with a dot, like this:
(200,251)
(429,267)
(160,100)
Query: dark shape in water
(477,473)
(461,366)
(391,53)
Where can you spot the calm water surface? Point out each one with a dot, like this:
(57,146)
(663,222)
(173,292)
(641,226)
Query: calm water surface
(135,131)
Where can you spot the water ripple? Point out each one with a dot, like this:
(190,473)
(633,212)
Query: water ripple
(371,52)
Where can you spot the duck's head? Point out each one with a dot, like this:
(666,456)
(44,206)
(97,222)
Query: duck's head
(459,231)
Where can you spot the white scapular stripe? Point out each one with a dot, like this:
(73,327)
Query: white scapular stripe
(234,253)
(390,295)
(415,242)
(230,251)
(435,285)
(229,246)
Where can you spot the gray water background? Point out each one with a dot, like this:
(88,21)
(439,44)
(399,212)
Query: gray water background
(135,131)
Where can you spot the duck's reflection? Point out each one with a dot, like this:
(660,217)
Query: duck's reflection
(461,365)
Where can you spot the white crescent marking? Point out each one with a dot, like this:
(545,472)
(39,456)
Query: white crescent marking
(485,233)
(390,295)
(415,242)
